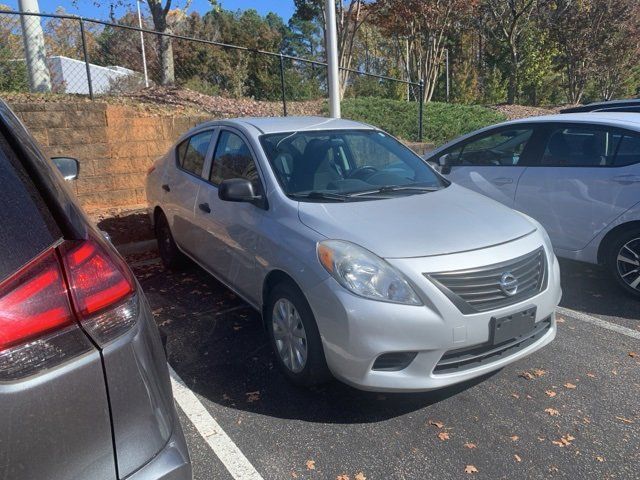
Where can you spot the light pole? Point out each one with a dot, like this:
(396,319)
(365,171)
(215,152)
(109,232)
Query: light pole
(33,40)
(331,46)
(144,57)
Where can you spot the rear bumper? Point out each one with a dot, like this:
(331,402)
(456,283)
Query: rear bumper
(171,463)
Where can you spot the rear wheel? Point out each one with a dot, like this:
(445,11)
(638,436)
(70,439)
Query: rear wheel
(172,258)
(623,260)
(295,337)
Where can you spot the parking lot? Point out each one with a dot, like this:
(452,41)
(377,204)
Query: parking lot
(568,411)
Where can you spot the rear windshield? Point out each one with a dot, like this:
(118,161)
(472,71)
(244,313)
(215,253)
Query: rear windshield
(26,226)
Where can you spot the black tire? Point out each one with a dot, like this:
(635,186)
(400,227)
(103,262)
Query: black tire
(172,258)
(626,274)
(315,370)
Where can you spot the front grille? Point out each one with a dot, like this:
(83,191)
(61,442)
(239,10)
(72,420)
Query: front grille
(479,289)
(467,358)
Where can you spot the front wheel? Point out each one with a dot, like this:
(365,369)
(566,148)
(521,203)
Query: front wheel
(623,261)
(295,337)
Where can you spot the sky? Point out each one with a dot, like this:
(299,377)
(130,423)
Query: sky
(87,8)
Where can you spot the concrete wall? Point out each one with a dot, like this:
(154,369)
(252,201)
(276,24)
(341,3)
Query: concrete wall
(114,144)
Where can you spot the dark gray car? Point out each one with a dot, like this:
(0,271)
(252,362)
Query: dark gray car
(84,385)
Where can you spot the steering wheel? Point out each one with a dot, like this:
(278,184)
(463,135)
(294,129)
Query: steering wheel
(360,172)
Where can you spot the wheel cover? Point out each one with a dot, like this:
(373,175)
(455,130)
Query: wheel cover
(289,335)
(628,263)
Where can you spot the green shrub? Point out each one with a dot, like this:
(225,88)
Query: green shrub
(442,121)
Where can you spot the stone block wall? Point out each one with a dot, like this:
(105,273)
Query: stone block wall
(115,145)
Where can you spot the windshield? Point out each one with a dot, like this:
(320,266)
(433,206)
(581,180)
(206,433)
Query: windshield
(346,164)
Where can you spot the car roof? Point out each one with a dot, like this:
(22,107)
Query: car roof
(628,102)
(620,119)
(266,125)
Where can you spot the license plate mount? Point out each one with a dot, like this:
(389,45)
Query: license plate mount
(509,327)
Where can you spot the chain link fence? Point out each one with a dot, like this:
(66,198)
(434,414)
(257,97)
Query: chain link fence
(67,54)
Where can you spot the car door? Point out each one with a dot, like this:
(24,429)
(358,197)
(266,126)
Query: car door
(582,180)
(180,186)
(230,230)
(490,162)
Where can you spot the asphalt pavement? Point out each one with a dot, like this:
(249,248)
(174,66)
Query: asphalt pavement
(568,411)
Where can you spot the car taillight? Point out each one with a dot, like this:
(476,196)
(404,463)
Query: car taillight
(33,301)
(41,304)
(102,289)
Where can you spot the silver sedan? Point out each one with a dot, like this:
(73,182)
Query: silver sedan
(365,262)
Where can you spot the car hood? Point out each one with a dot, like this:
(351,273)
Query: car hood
(450,220)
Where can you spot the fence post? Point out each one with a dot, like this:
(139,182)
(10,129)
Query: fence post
(282,84)
(420,108)
(86,58)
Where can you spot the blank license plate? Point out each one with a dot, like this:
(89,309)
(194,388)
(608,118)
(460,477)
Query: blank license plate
(512,326)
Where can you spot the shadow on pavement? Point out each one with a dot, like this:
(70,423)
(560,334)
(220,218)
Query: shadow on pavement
(589,288)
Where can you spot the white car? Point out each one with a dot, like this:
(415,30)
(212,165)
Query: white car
(577,174)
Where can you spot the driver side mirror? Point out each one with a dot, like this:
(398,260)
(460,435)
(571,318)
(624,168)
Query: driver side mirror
(240,190)
(68,167)
(445,164)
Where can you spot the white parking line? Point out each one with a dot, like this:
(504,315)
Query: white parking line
(224,448)
(599,322)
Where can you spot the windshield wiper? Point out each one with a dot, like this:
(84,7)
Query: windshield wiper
(315,195)
(395,188)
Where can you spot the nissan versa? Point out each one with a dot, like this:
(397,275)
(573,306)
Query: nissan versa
(84,386)
(365,263)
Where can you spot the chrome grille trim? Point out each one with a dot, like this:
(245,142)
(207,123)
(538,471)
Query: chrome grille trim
(478,290)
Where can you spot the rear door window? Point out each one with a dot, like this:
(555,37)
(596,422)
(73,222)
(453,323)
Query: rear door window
(581,146)
(628,150)
(193,152)
(26,225)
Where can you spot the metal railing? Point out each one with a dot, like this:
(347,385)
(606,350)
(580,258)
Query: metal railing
(71,54)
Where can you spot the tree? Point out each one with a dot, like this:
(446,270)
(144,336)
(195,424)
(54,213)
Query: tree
(507,21)
(349,20)
(425,25)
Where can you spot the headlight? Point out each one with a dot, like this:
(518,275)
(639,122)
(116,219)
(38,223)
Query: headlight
(365,274)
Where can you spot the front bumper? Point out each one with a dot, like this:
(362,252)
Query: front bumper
(355,331)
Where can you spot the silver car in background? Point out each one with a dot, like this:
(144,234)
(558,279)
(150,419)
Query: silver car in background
(365,262)
(578,174)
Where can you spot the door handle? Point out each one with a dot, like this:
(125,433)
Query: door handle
(627,179)
(502,181)
(204,207)
(166,188)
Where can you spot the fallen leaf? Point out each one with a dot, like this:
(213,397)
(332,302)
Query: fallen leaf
(570,386)
(443,436)
(600,459)
(633,354)
(311,464)
(517,457)
(344,476)
(538,372)
(550,393)
(514,438)
(515,395)
(625,420)
(294,474)
(360,476)
(591,375)
(436,423)
(527,375)
(470,469)
(552,411)
(253,396)
(470,446)
(559,320)
(564,441)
